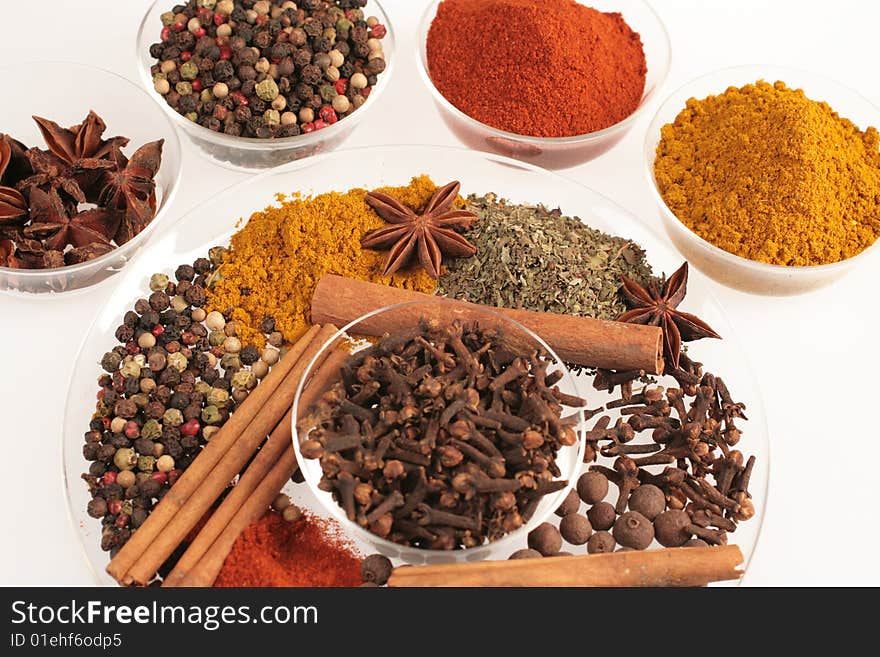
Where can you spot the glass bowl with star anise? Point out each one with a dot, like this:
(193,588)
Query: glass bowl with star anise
(88,169)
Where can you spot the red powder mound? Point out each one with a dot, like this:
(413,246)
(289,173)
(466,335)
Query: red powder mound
(274,552)
(553,68)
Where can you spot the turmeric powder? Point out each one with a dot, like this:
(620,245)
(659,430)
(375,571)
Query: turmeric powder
(766,173)
(277,258)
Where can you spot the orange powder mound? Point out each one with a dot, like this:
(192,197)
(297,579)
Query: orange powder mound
(274,552)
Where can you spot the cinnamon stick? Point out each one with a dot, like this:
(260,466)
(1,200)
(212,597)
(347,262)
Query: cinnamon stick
(272,452)
(581,340)
(664,567)
(207,459)
(268,483)
(185,516)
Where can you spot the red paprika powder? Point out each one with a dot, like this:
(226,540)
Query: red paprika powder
(274,552)
(548,68)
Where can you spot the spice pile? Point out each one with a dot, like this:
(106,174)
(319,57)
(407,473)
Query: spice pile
(267,68)
(765,173)
(277,258)
(276,552)
(533,258)
(169,385)
(75,201)
(554,68)
(442,438)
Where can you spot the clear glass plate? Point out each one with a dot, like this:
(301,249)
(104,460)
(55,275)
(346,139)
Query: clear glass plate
(212,223)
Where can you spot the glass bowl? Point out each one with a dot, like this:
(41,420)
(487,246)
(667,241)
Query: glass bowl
(727,268)
(71,91)
(559,152)
(213,222)
(246,153)
(405,316)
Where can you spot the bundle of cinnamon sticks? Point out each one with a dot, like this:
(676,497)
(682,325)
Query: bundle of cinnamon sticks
(265,412)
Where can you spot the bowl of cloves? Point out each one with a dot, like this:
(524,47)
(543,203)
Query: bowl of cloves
(446,433)
(88,168)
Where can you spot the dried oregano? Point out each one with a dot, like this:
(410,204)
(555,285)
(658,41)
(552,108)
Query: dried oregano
(537,259)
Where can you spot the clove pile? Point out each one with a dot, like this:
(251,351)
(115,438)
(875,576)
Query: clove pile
(443,436)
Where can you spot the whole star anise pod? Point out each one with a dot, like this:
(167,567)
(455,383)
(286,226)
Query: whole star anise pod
(57,227)
(14,165)
(80,142)
(657,305)
(430,234)
(131,186)
(13,206)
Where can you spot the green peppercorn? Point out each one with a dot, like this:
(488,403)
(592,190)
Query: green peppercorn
(146,464)
(158,282)
(178,361)
(130,369)
(267,90)
(151,430)
(211,415)
(327,92)
(244,380)
(173,417)
(217,396)
(125,458)
(183,88)
(189,70)
(216,338)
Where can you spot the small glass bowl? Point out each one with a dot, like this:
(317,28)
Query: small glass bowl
(247,153)
(733,270)
(404,315)
(558,152)
(71,90)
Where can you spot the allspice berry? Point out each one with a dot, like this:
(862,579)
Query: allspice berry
(695,542)
(670,528)
(575,528)
(602,515)
(526,553)
(634,530)
(570,504)
(546,539)
(292,513)
(592,487)
(600,542)
(281,502)
(648,500)
(376,569)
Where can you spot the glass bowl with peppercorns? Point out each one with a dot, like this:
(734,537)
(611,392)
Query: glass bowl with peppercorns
(452,432)
(556,84)
(88,169)
(257,84)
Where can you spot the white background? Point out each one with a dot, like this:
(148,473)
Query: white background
(817,356)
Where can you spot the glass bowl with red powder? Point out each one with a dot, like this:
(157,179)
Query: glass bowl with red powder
(551,120)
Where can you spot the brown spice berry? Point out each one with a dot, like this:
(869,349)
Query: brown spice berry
(546,539)
(376,569)
(634,530)
(602,516)
(695,542)
(592,487)
(670,528)
(292,513)
(575,528)
(526,553)
(648,500)
(570,504)
(600,542)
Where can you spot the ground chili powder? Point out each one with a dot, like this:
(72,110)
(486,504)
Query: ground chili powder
(274,552)
(548,68)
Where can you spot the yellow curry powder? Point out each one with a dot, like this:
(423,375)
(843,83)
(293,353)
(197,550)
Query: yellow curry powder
(276,260)
(768,174)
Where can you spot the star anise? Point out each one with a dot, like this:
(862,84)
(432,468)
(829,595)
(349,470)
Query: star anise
(7,253)
(51,173)
(657,305)
(430,234)
(57,227)
(131,186)
(13,206)
(80,142)
(14,165)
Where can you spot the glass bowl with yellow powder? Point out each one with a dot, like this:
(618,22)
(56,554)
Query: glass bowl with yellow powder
(764,187)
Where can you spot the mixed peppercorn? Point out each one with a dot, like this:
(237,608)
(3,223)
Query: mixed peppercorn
(167,388)
(267,68)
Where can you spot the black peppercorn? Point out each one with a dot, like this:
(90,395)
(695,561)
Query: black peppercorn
(184,273)
(124,333)
(376,568)
(249,355)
